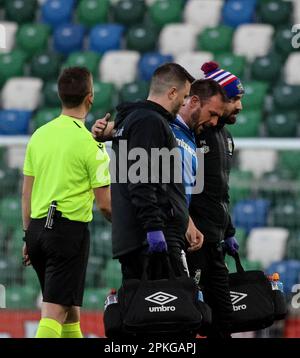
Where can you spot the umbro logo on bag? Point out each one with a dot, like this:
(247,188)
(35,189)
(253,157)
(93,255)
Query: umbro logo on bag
(161,298)
(237,297)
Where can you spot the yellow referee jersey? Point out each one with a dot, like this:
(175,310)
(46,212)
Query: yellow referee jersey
(66,163)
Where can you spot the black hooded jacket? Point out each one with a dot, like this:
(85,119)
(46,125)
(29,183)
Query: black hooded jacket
(138,208)
(209,209)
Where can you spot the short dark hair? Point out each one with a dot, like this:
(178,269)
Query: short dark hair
(167,75)
(74,84)
(207,88)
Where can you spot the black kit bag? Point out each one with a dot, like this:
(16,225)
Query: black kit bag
(255,305)
(157,306)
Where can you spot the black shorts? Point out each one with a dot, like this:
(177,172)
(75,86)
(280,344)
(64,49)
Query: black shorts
(59,257)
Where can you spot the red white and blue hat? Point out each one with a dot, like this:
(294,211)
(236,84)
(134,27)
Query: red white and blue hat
(231,84)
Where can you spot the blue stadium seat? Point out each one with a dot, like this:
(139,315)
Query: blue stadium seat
(149,63)
(249,214)
(289,271)
(57,12)
(106,37)
(68,38)
(14,122)
(237,12)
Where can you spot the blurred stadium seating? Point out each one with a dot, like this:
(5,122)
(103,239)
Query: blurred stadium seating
(122,42)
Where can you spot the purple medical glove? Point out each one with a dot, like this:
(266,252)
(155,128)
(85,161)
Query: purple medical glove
(156,241)
(231,246)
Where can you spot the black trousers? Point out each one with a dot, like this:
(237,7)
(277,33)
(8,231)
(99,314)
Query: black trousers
(209,261)
(59,257)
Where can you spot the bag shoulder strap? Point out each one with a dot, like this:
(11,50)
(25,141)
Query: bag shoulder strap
(238,264)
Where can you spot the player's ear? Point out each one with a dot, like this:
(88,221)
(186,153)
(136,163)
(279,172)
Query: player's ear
(172,93)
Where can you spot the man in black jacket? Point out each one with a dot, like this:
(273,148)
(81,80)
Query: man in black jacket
(149,214)
(209,210)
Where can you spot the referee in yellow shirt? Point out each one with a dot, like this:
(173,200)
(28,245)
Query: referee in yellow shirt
(64,166)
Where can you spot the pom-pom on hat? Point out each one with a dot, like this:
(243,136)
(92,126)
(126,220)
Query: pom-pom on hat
(231,84)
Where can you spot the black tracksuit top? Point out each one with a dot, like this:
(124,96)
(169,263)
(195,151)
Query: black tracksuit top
(139,208)
(209,209)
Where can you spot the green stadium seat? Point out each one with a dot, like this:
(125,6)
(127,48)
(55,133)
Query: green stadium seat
(3,239)
(293,246)
(276,176)
(241,236)
(10,211)
(247,125)
(266,68)
(3,158)
(11,65)
(275,186)
(94,298)
(20,11)
(255,93)
(275,12)
(44,116)
(93,12)
(129,12)
(165,12)
(46,65)
(286,214)
(286,97)
(103,95)
(141,38)
(33,38)
(94,271)
(30,278)
(101,243)
(251,265)
(282,124)
(21,297)
(232,63)
(241,175)
(9,181)
(240,184)
(230,263)
(15,243)
(283,41)
(10,271)
(112,274)
(50,92)
(134,91)
(217,40)
(247,264)
(289,161)
(88,59)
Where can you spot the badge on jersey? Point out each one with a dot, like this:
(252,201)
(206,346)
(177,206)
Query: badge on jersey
(230,146)
(204,148)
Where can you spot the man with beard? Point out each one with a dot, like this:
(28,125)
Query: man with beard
(204,107)
(209,209)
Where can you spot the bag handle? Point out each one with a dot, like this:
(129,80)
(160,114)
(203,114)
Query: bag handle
(238,264)
(164,260)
